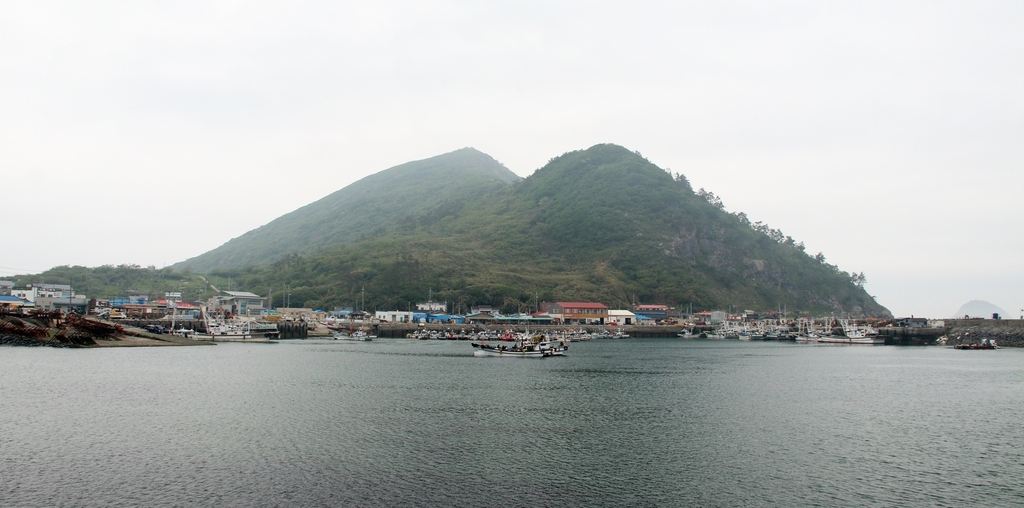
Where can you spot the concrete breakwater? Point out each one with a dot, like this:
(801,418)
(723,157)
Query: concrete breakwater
(1006,332)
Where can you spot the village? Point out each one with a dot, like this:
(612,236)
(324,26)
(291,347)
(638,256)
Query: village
(169,311)
(246,305)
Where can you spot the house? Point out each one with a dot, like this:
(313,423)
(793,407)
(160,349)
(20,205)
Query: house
(621,317)
(576,312)
(5,287)
(239,303)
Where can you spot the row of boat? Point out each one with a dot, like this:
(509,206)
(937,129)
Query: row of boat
(510,336)
(851,332)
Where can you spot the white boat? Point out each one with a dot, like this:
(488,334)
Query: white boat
(356,335)
(834,339)
(853,334)
(223,331)
(524,348)
(807,337)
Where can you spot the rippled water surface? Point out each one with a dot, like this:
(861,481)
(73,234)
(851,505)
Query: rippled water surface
(648,422)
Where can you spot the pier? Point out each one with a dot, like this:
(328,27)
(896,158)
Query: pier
(907,336)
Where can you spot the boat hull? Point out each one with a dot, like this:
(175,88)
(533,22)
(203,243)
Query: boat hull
(852,340)
(517,352)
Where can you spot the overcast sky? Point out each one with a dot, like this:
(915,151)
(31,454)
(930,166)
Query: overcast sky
(887,135)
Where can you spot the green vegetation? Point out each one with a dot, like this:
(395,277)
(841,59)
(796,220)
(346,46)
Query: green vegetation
(602,224)
(599,224)
(117,281)
(410,191)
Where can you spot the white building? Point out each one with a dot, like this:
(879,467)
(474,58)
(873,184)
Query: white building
(621,317)
(32,292)
(394,316)
(239,303)
(719,316)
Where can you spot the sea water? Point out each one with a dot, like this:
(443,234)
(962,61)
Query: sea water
(397,422)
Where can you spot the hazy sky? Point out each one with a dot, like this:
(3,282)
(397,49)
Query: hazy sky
(887,135)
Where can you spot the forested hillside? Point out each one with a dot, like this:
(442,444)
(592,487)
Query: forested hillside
(363,208)
(599,224)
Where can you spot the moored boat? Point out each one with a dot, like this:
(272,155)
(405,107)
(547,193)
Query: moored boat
(360,335)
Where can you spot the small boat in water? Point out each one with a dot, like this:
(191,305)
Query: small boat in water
(523,348)
(354,335)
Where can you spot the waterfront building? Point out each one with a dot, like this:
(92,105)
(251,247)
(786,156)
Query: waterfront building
(655,312)
(911,322)
(621,317)
(239,303)
(77,304)
(576,312)
(644,320)
(480,317)
(394,316)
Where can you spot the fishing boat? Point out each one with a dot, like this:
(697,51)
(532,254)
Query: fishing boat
(360,335)
(523,348)
(853,334)
(228,331)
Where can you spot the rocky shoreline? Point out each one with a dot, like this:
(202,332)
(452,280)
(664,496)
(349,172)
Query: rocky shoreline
(17,340)
(1006,332)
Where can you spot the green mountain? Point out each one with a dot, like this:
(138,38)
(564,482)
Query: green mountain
(600,224)
(363,208)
